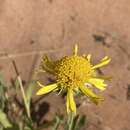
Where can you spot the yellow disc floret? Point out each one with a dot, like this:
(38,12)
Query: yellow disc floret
(72,71)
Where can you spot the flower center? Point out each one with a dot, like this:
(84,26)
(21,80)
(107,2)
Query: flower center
(72,71)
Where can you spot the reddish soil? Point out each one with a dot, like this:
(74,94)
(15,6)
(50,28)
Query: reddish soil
(53,27)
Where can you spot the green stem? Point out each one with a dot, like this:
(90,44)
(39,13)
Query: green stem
(24,96)
(22,90)
(56,124)
(70,121)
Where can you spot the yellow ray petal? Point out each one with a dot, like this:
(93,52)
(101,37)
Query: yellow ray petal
(72,105)
(37,71)
(67,104)
(46,64)
(103,77)
(103,62)
(89,57)
(98,83)
(41,85)
(75,50)
(46,89)
(93,97)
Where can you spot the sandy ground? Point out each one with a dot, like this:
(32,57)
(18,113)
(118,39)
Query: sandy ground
(101,28)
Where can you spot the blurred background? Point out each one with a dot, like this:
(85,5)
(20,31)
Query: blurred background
(31,28)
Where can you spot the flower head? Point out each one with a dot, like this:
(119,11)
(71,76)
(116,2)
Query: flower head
(74,73)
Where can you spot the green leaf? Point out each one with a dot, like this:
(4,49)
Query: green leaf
(46,125)
(80,122)
(75,122)
(27,128)
(16,84)
(3,89)
(28,122)
(14,127)
(1,78)
(28,94)
(29,90)
(2,96)
(4,120)
(58,120)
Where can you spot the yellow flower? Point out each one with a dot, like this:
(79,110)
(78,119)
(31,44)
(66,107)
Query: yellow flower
(74,73)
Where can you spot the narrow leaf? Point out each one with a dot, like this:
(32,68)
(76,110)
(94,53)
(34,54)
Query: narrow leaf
(29,90)
(4,120)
